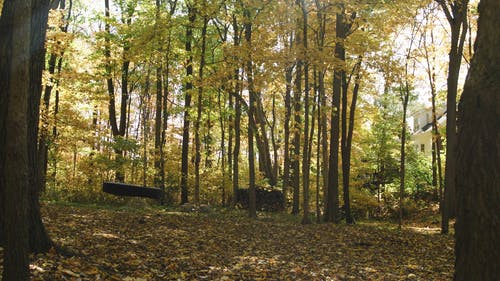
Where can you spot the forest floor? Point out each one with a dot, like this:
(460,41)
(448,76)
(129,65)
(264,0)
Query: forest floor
(153,244)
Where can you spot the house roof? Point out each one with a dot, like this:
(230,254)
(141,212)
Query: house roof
(428,126)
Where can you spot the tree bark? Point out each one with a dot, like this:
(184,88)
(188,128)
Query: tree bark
(288,113)
(237,116)
(297,122)
(118,130)
(478,158)
(252,209)
(405,95)
(199,109)
(187,106)
(158,107)
(347,142)
(166,88)
(306,159)
(15,166)
(39,239)
(332,213)
(456,14)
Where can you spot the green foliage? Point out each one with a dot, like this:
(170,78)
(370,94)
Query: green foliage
(364,204)
(419,175)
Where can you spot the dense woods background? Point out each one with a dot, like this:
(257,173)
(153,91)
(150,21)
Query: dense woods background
(171,94)
(312,100)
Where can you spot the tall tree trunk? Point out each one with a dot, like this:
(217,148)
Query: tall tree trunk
(117,130)
(39,239)
(405,96)
(347,139)
(15,165)
(478,159)
(237,117)
(146,100)
(323,124)
(332,213)
(223,145)
(343,28)
(187,105)
(318,146)
(306,159)
(436,137)
(55,133)
(456,14)
(158,106)
(198,115)
(297,106)
(288,114)
(166,84)
(158,128)
(273,140)
(236,151)
(252,209)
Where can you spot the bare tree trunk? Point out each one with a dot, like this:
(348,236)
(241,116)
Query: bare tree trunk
(14,157)
(347,142)
(436,137)
(288,113)
(158,107)
(332,213)
(146,99)
(118,130)
(273,141)
(236,151)
(405,95)
(318,147)
(237,117)
(252,209)
(456,14)
(39,239)
(478,161)
(323,124)
(198,116)
(306,159)
(187,106)
(223,145)
(297,106)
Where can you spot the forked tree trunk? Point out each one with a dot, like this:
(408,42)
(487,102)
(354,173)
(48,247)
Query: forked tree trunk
(478,173)
(456,14)
(347,139)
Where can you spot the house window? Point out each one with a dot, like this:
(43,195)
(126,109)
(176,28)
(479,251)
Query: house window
(422,147)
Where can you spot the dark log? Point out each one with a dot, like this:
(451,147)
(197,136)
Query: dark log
(122,189)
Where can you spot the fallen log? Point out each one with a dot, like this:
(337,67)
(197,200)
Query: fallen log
(123,189)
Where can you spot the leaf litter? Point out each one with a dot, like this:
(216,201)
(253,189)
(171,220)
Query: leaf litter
(159,245)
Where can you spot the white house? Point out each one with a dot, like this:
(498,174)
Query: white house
(420,123)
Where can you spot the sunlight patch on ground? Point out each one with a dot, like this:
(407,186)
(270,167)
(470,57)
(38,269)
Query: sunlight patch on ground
(106,235)
(424,230)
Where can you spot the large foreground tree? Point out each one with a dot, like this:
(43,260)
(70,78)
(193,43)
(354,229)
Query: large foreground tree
(478,162)
(22,26)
